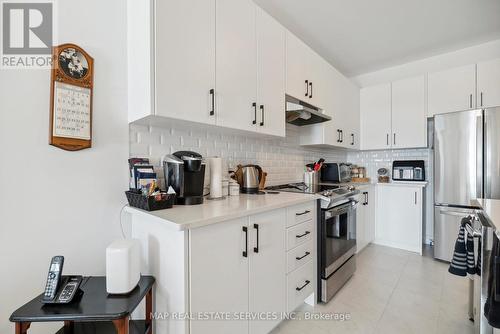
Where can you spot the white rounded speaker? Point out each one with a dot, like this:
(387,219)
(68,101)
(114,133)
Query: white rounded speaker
(123,266)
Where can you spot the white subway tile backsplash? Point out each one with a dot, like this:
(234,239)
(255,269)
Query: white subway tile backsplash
(282,158)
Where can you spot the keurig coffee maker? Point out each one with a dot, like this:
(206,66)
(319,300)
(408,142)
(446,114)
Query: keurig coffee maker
(185,172)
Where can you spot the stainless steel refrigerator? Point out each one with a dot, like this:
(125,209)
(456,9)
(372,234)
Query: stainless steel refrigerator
(466,166)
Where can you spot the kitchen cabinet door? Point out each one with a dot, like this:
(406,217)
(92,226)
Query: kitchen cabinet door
(320,80)
(271,75)
(488,84)
(236,64)
(297,67)
(452,90)
(185,62)
(375,107)
(361,240)
(219,275)
(399,217)
(351,114)
(369,212)
(267,289)
(409,117)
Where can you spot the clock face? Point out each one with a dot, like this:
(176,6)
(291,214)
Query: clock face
(73,63)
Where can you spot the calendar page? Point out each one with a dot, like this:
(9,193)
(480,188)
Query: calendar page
(71,111)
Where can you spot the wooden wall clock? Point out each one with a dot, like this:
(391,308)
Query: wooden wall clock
(71,91)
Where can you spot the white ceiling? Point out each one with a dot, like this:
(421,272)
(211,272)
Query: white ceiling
(361,36)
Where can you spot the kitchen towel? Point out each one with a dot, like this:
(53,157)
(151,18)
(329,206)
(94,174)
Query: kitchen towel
(463,261)
(492,305)
(215,177)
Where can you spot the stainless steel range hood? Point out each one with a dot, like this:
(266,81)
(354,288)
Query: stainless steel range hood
(301,113)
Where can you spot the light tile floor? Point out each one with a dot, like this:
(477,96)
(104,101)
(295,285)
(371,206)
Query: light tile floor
(393,291)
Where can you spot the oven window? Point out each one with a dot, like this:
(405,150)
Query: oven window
(339,236)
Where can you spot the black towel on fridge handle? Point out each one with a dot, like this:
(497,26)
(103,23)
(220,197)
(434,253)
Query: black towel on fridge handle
(458,265)
(492,305)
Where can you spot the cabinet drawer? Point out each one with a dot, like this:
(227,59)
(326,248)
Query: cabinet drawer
(300,213)
(299,234)
(300,284)
(299,255)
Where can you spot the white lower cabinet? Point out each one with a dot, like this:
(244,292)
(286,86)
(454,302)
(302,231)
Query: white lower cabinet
(300,284)
(365,217)
(243,266)
(267,267)
(219,275)
(301,254)
(399,216)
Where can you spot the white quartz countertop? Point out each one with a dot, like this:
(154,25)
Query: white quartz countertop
(184,217)
(491,209)
(404,184)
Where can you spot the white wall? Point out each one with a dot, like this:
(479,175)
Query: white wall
(52,201)
(437,63)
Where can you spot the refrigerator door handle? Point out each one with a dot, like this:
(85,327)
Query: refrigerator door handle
(463,213)
(479,155)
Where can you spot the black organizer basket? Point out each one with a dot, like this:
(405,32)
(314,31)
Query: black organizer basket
(137,200)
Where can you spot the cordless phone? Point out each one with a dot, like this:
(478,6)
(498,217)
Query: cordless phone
(53,278)
(60,289)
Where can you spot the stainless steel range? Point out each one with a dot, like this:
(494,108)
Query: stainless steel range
(336,234)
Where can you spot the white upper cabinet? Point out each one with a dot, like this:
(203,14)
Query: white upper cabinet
(409,122)
(488,83)
(297,67)
(185,71)
(393,115)
(236,64)
(452,90)
(351,114)
(270,75)
(375,107)
(341,103)
(305,75)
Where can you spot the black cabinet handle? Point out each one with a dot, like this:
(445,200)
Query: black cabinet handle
(262,114)
(302,235)
(212,94)
(338,135)
(303,256)
(481,98)
(341,136)
(394,138)
(254,105)
(387,139)
(245,252)
(366,198)
(352,137)
(307,88)
(302,213)
(311,92)
(256,249)
(303,286)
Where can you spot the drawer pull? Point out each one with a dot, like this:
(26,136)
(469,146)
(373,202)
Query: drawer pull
(303,256)
(302,213)
(302,235)
(303,286)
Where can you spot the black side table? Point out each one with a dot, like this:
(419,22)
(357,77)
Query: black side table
(94,312)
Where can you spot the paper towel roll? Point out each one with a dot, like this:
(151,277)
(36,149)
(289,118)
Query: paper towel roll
(215,177)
